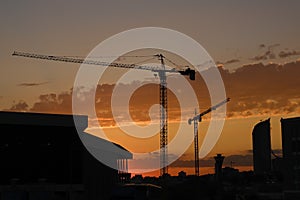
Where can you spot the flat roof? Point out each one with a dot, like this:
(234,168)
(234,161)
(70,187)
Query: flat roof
(42,119)
(290,119)
(57,120)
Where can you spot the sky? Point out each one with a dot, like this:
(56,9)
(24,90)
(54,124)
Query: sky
(254,43)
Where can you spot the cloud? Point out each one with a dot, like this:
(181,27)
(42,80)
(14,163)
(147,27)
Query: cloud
(285,54)
(228,62)
(267,54)
(260,57)
(19,106)
(191,163)
(32,84)
(232,61)
(263,89)
(54,103)
(239,160)
(230,160)
(255,90)
(272,46)
(270,54)
(148,161)
(262,46)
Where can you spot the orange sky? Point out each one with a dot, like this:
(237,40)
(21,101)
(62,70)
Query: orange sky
(257,92)
(254,97)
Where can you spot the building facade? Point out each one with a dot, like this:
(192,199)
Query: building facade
(290,130)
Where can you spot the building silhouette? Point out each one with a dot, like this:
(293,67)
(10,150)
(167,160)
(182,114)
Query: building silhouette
(290,130)
(43,157)
(261,141)
(218,166)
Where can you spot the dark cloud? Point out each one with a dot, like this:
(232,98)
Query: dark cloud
(238,160)
(285,54)
(260,57)
(262,46)
(232,61)
(272,46)
(54,103)
(32,84)
(191,163)
(231,160)
(268,54)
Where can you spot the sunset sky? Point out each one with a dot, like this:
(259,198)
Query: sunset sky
(255,44)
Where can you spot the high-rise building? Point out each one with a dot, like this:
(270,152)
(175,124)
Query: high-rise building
(290,130)
(261,141)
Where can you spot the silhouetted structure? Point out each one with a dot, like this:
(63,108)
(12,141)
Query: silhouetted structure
(290,129)
(278,165)
(261,141)
(218,166)
(42,157)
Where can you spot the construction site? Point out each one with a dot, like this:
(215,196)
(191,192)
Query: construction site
(163,100)
(80,174)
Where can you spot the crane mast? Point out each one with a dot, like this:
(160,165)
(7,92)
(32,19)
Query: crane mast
(163,100)
(196,150)
(196,119)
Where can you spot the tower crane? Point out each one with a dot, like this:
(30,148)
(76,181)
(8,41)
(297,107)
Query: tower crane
(196,119)
(162,89)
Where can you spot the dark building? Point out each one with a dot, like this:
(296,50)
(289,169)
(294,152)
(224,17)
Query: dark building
(290,130)
(261,141)
(278,165)
(43,157)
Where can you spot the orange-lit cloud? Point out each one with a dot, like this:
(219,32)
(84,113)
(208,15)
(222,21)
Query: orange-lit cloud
(53,103)
(259,89)
(255,90)
(19,106)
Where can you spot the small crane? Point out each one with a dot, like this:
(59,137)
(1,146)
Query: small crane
(161,70)
(196,119)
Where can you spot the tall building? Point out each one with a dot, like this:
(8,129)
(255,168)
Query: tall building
(290,130)
(43,157)
(261,141)
(218,166)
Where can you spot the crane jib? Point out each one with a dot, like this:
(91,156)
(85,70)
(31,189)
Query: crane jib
(187,72)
